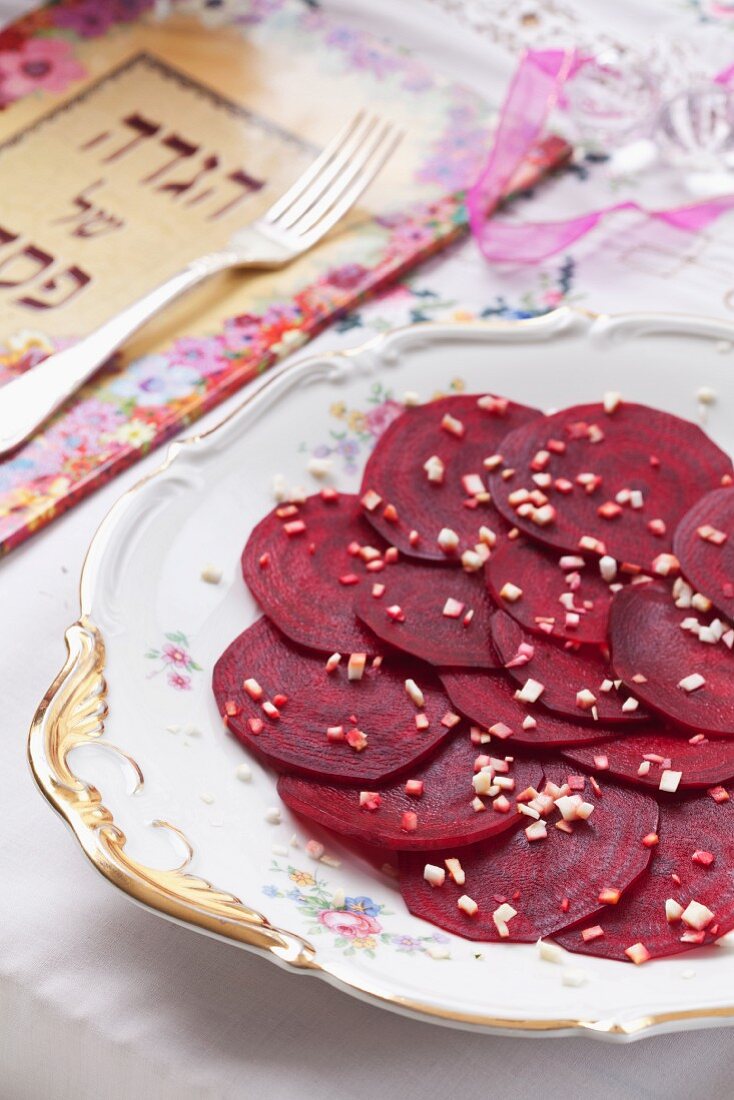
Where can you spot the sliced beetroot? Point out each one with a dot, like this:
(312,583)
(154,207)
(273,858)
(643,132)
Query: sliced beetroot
(654,656)
(700,826)
(703,764)
(443,615)
(489,700)
(395,472)
(704,545)
(444,810)
(592,457)
(552,883)
(305,579)
(569,600)
(563,673)
(295,739)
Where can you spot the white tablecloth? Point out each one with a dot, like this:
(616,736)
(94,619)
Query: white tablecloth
(101,999)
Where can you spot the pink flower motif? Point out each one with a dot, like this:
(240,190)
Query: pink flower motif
(174,655)
(178,681)
(352,925)
(381,416)
(41,63)
(552,297)
(720,10)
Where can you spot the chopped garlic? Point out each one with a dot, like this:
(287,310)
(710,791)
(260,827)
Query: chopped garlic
(692,682)
(319,467)
(697,916)
(673,910)
(243,773)
(436,876)
(456,871)
(573,976)
(467,905)
(415,693)
(211,575)
(510,592)
(531,691)
(550,952)
(669,781)
(448,540)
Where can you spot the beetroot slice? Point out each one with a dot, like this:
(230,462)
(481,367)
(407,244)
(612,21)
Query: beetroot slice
(704,764)
(696,824)
(563,673)
(395,472)
(707,564)
(647,640)
(669,460)
(301,590)
(317,699)
(559,879)
(489,699)
(444,810)
(421,592)
(538,574)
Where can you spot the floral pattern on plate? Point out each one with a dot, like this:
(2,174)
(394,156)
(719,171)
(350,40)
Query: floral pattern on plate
(174,659)
(352,921)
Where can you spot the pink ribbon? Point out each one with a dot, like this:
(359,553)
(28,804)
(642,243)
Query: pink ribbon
(536,88)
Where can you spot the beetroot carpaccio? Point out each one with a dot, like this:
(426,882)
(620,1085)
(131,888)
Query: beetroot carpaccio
(508,659)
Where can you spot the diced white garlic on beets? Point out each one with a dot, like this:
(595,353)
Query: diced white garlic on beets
(630,705)
(410,399)
(455,870)
(253,689)
(638,953)
(669,781)
(700,602)
(435,469)
(550,952)
(612,401)
(467,905)
(682,594)
(606,686)
(544,515)
(447,540)
(333,661)
(415,693)
(636,499)
(487,537)
(644,768)
(594,545)
(453,609)
(478,805)
(436,876)
(472,561)
(692,682)
(501,916)
(356,665)
(665,564)
(482,782)
(529,723)
(571,562)
(536,831)
(453,426)
(697,916)
(607,568)
(510,592)
(472,485)
(371,500)
(711,534)
(585,699)
(530,692)
(673,910)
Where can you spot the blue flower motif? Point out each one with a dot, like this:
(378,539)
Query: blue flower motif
(295,894)
(362,905)
(153,381)
(440,938)
(271,891)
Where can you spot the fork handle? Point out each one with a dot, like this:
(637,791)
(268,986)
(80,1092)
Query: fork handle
(29,400)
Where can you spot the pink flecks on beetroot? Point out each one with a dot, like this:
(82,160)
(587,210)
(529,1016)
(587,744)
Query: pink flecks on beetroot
(551,883)
(489,701)
(686,680)
(696,824)
(704,545)
(622,480)
(641,758)
(429,466)
(330,726)
(562,596)
(577,683)
(306,581)
(445,614)
(443,808)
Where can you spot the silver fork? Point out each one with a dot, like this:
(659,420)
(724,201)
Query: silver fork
(292,225)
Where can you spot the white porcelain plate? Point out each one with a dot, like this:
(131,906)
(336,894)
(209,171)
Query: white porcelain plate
(154,629)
